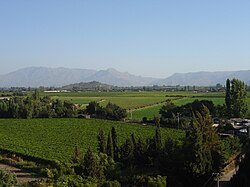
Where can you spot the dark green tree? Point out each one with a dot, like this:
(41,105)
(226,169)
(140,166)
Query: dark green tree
(200,142)
(115,143)
(228,99)
(110,147)
(114,112)
(140,153)
(92,108)
(101,142)
(154,146)
(127,150)
(90,166)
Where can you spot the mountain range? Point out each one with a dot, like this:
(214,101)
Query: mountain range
(57,77)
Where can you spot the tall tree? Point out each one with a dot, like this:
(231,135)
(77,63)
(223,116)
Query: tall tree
(90,164)
(127,152)
(115,143)
(238,98)
(101,141)
(200,142)
(36,94)
(110,150)
(228,98)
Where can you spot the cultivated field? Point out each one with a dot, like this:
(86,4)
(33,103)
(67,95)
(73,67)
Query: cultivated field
(140,104)
(55,139)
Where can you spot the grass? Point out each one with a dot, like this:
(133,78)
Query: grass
(55,139)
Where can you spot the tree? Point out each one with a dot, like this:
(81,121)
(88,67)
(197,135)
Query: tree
(36,94)
(238,98)
(127,152)
(110,150)
(101,141)
(140,150)
(228,98)
(114,112)
(166,110)
(115,143)
(155,146)
(90,165)
(200,142)
(92,108)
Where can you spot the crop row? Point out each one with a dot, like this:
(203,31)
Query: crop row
(55,139)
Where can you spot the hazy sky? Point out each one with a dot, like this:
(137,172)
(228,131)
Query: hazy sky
(150,38)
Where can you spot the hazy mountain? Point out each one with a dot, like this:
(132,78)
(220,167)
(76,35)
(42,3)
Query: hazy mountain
(87,85)
(205,78)
(42,76)
(114,77)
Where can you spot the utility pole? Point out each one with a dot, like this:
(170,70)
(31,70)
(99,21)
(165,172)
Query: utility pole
(218,181)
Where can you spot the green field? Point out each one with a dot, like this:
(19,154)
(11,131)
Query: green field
(55,139)
(127,100)
(141,103)
(151,112)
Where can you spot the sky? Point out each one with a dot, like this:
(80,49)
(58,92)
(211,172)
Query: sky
(154,38)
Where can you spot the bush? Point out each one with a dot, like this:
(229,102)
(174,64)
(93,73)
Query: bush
(159,181)
(111,184)
(70,180)
(7,179)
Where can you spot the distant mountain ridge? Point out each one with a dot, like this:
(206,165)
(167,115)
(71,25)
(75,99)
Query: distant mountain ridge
(205,78)
(58,77)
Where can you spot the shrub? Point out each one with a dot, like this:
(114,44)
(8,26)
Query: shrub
(7,179)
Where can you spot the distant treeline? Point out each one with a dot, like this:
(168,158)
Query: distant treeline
(36,107)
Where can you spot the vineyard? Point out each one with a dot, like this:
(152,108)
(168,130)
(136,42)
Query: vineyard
(55,139)
(140,104)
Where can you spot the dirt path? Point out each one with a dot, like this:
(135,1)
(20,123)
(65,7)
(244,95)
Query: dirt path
(22,176)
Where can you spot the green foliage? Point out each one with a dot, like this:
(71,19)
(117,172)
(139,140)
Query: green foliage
(228,99)
(90,165)
(159,181)
(101,142)
(115,143)
(70,180)
(7,179)
(148,181)
(115,112)
(200,142)
(110,147)
(77,155)
(127,152)
(36,107)
(236,99)
(93,108)
(41,137)
(111,184)
(170,113)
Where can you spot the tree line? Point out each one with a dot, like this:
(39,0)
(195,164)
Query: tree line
(110,111)
(35,106)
